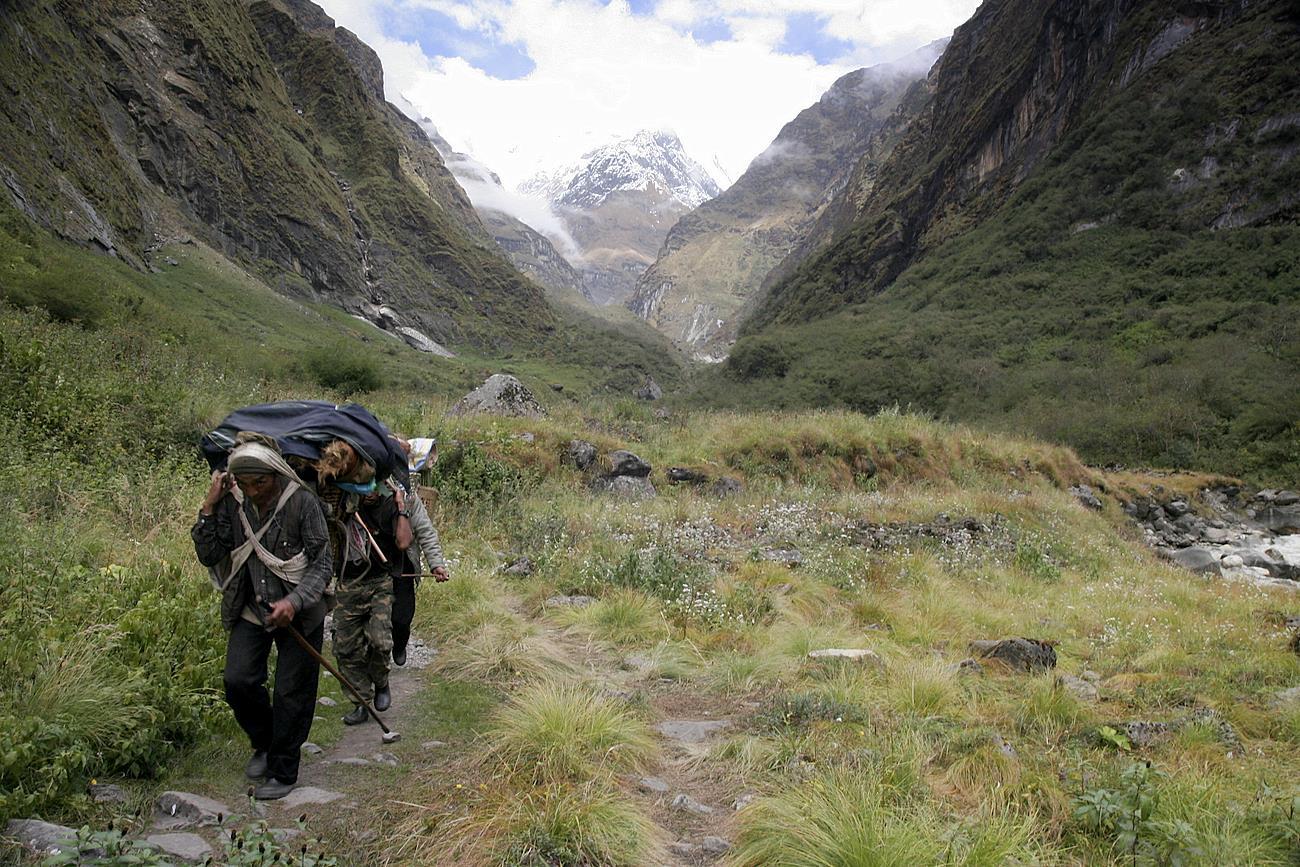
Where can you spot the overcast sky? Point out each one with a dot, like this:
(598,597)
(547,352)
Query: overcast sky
(526,85)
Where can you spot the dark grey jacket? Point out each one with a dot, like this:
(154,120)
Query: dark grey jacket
(299,527)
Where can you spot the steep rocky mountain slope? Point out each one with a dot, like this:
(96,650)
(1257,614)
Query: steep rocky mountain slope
(716,257)
(260,129)
(528,249)
(1089,231)
(618,203)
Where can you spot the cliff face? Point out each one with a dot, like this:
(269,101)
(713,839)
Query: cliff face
(716,257)
(1012,85)
(260,128)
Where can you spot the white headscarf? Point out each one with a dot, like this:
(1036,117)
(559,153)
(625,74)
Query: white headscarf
(255,457)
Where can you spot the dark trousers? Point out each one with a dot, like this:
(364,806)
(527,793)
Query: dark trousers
(403,610)
(278,728)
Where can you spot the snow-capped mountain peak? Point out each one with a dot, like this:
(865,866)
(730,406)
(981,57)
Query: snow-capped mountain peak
(647,159)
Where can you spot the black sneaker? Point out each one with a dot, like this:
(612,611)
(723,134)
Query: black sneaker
(399,656)
(383,698)
(272,790)
(356,717)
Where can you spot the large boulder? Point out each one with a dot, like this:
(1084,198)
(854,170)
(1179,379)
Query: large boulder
(1279,518)
(502,394)
(627,487)
(41,838)
(581,453)
(1197,559)
(649,390)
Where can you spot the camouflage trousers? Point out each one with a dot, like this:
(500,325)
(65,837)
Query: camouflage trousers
(363,632)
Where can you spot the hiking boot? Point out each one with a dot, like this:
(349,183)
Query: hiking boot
(383,698)
(356,717)
(399,656)
(256,767)
(272,790)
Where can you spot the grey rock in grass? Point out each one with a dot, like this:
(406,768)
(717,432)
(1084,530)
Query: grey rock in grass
(625,463)
(433,745)
(312,749)
(185,846)
(1086,496)
(304,795)
(726,487)
(853,654)
(626,487)
(1144,733)
(355,761)
(581,454)
(1081,689)
(686,475)
(1287,697)
(637,662)
(649,390)
(687,804)
(969,666)
(687,731)
(1197,559)
(107,793)
(1020,654)
(714,845)
(520,567)
(791,557)
(502,394)
(41,838)
(652,786)
(326,701)
(744,801)
(575,601)
(386,759)
(1177,508)
(186,810)
(422,342)
(683,849)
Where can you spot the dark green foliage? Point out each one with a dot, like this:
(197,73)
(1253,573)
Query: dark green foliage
(758,358)
(343,369)
(468,474)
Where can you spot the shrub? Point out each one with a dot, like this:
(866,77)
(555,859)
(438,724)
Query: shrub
(343,369)
(759,358)
(468,474)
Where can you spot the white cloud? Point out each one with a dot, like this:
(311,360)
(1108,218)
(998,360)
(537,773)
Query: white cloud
(602,72)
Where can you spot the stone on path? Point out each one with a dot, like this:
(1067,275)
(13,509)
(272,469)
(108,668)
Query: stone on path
(575,601)
(311,749)
(687,804)
(687,731)
(683,849)
(356,761)
(855,654)
(326,701)
(715,845)
(187,847)
(40,837)
(386,759)
(744,801)
(304,795)
(433,745)
(186,810)
(1021,654)
(652,786)
(107,793)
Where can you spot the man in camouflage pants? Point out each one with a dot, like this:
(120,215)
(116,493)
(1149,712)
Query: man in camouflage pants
(363,619)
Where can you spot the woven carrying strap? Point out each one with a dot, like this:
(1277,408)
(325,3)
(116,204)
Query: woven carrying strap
(290,570)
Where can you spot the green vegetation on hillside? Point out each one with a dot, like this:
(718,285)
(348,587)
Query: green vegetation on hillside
(1094,307)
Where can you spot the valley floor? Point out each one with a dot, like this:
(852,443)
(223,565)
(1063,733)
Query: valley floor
(645,689)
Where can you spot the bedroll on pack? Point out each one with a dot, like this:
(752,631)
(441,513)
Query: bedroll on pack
(305,428)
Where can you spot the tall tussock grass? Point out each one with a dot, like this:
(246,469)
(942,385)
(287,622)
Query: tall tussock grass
(560,730)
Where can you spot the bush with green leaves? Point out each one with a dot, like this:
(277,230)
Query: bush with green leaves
(468,474)
(1128,815)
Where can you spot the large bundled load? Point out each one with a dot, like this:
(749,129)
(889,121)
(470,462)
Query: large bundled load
(341,450)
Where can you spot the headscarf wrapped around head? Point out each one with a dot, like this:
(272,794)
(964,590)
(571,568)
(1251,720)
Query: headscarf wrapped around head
(255,456)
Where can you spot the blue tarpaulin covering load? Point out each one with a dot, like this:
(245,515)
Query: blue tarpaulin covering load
(304,427)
